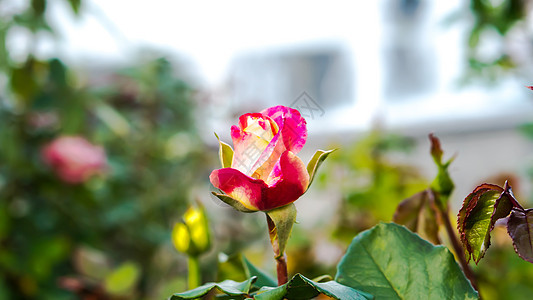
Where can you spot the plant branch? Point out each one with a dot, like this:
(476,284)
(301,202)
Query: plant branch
(457,247)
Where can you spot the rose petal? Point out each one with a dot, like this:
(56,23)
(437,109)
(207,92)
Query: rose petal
(292,126)
(250,139)
(245,189)
(288,182)
(247,149)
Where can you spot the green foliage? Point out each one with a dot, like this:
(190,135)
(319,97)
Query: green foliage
(154,156)
(475,219)
(479,213)
(300,287)
(372,183)
(238,267)
(142,116)
(497,19)
(502,274)
(237,290)
(390,262)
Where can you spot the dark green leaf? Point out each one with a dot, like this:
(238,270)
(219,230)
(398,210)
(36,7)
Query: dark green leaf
(520,229)
(239,290)
(263,279)
(237,267)
(315,162)
(232,267)
(390,262)
(283,218)
(300,287)
(418,214)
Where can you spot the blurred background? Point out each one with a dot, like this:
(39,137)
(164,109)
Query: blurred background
(108,108)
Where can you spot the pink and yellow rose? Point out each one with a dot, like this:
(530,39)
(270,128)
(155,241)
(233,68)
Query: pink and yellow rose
(263,172)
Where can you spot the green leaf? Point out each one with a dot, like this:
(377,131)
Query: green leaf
(390,262)
(239,290)
(315,162)
(300,287)
(418,213)
(263,279)
(123,279)
(225,153)
(233,203)
(237,267)
(476,218)
(520,229)
(283,219)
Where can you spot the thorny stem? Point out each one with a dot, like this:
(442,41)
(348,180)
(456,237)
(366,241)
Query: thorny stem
(281,261)
(458,249)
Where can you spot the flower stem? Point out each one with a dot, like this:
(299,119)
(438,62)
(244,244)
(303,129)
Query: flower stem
(194,272)
(281,269)
(281,261)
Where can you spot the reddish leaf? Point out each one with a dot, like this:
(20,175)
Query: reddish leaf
(476,219)
(418,214)
(520,229)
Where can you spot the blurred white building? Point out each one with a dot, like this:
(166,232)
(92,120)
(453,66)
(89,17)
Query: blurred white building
(346,65)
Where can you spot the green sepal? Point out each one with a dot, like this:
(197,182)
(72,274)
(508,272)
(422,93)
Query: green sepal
(233,203)
(315,162)
(225,153)
(300,287)
(283,219)
(238,290)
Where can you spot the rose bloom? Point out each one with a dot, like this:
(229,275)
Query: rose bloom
(265,172)
(74,159)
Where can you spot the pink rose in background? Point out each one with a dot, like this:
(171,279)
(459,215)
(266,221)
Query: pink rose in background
(74,159)
(265,172)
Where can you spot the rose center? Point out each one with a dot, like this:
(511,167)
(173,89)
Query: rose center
(262,128)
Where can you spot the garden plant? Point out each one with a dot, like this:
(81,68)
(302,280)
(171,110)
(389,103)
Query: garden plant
(389,261)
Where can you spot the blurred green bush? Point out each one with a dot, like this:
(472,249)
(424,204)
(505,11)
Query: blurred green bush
(107,235)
